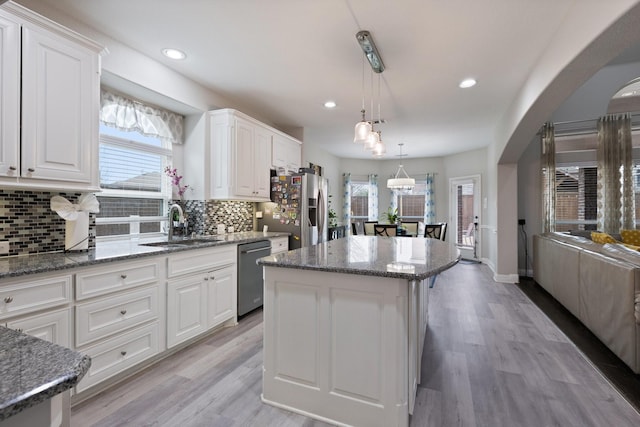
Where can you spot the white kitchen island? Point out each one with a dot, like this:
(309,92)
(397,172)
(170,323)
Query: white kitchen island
(344,325)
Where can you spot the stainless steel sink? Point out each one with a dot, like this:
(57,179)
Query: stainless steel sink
(185,242)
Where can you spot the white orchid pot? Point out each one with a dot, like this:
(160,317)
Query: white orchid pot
(76,236)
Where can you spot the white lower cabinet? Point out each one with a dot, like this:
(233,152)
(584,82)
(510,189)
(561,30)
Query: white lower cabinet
(105,316)
(121,352)
(279,244)
(53,326)
(119,316)
(186,309)
(221,295)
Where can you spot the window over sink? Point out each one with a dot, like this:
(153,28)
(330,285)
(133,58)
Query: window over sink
(135,147)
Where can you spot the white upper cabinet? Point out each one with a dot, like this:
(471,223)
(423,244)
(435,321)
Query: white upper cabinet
(59,104)
(240,157)
(9,96)
(286,153)
(241,153)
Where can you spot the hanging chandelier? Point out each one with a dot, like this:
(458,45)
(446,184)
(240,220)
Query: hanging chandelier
(364,130)
(401,181)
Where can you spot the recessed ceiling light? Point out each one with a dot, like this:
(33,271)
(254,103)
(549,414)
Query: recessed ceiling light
(330,104)
(466,83)
(174,53)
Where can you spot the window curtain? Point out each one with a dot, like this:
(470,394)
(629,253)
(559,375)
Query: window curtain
(615,174)
(129,115)
(429,200)
(373,198)
(548,178)
(393,201)
(346,207)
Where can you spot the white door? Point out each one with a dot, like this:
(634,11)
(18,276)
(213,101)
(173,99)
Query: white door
(244,159)
(464,215)
(186,309)
(221,294)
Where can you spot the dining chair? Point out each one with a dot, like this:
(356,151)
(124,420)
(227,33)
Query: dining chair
(410,228)
(443,233)
(388,230)
(368,228)
(433,231)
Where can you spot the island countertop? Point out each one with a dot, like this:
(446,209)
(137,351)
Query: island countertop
(411,258)
(34,370)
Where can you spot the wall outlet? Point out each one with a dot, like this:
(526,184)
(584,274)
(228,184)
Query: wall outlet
(521,222)
(4,247)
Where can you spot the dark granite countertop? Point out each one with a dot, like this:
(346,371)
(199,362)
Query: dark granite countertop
(116,251)
(411,258)
(33,370)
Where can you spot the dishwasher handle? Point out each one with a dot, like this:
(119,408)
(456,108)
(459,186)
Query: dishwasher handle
(250,251)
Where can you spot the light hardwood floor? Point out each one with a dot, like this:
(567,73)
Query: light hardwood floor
(491,358)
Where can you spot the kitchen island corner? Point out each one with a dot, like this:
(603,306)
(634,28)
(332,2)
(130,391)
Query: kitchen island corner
(344,325)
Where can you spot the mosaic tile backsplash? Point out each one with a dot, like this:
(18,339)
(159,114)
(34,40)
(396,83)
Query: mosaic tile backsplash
(29,224)
(204,216)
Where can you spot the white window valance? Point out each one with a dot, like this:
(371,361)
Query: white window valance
(129,115)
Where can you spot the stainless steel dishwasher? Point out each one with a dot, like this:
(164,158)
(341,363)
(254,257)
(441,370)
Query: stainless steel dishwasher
(250,275)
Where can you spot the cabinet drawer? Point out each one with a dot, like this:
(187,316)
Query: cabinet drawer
(116,277)
(119,353)
(52,326)
(195,261)
(27,296)
(98,319)
(279,244)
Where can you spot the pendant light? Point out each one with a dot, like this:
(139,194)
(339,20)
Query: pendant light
(401,181)
(379,150)
(363,128)
(374,143)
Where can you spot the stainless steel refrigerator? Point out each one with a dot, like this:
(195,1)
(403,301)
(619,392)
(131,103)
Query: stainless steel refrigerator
(298,206)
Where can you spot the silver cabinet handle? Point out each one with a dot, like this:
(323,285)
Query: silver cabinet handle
(19,330)
(213,277)
(8,300)
(123,312)
(123,276)
(12,168)
(206,278)
(124,353)
(31,169)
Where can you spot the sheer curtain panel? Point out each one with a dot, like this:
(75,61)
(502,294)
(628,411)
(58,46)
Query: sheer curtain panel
(615,174)
(548,178)
(429,200)
(373,198)
(346,207)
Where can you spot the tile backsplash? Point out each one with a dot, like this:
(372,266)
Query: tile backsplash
(29,224)
(205,215)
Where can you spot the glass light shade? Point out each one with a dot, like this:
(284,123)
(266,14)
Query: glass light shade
(372,140)
(362,131)
(379,150)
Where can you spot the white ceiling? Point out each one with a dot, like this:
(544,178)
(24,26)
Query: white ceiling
(285,58)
